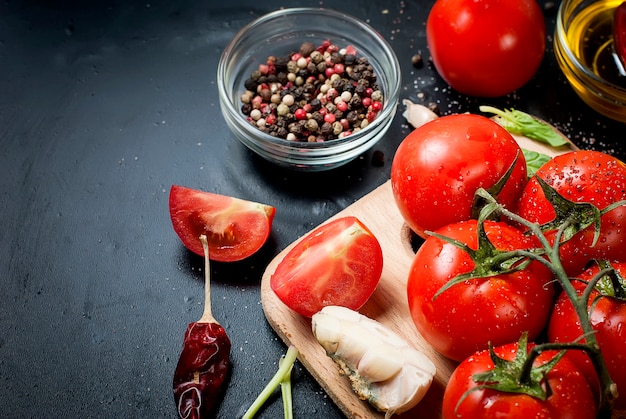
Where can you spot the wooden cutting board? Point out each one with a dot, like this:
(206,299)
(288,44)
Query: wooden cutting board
(388,305)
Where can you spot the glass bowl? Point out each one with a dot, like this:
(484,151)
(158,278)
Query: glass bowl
(584,50)
(281,33)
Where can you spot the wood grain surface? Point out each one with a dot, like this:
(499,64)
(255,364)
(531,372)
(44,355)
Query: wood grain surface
(388,304)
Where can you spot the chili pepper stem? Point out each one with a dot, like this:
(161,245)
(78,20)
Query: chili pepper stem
(207,315)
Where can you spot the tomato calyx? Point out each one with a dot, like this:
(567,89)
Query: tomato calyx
(488,260)
(608,282)
(520,375)
(495,190)
(517,376)
(573,217)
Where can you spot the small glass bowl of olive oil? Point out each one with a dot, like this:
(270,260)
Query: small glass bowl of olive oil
(583,45)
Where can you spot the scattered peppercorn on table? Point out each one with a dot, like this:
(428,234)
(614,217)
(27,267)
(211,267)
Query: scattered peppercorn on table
(107,104)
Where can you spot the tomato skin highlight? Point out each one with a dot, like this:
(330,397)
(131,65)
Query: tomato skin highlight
(338,263)
(486,48)
(235,228)
(467,316)
(571,398)
(608,319)
(439,166)
(582,176)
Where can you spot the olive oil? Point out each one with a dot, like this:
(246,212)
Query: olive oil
(590,36)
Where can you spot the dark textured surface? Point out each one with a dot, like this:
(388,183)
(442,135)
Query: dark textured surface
(103,106)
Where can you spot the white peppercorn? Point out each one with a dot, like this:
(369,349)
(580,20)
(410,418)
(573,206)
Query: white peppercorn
(316,94)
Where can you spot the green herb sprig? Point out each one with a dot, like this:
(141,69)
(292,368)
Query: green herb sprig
(521,123)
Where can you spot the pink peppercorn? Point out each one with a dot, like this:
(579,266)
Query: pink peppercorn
(267,104)
(350,50)
(256,102)
(300,114)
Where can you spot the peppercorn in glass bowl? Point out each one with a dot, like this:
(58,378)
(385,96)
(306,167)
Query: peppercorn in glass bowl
(297,109)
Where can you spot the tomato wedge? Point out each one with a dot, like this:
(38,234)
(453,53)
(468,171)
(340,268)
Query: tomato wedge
(338,263)
(235,228)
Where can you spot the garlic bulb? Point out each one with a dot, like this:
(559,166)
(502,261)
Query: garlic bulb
(382,367)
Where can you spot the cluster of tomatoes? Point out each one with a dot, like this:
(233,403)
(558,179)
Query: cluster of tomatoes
(462,294)
(466,287)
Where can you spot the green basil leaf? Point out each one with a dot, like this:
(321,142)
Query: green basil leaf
(521,123)
(534,161)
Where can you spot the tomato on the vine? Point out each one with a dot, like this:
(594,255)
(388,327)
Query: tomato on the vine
(486,48)
(235,228)
(570,395)
(466,316)
(608,319)
(339,263)
(439,166)
(583,176)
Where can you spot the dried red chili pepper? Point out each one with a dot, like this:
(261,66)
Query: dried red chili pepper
(204,360)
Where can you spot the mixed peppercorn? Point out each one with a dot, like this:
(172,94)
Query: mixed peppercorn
(313,95)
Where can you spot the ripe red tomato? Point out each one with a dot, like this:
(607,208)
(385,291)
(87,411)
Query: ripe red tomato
(439,166)
(486,48)
(608,319)
(235,228)
(467,316)
(571,396)
(338,263)
(582,176)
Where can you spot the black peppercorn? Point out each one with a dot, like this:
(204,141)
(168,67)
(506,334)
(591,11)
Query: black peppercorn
(314,95)
(307,48)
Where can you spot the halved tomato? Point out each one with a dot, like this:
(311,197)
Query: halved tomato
(338,263)
(235,228)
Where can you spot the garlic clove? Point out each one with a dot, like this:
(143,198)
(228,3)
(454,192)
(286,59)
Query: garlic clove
(381,366)
(417,115)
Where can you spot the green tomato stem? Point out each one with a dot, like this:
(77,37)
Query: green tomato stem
(284,370)
(553,262)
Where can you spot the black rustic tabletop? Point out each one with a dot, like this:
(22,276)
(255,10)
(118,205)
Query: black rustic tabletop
(104,105)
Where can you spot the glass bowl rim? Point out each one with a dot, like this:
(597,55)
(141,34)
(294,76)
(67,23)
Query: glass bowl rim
(391,92)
